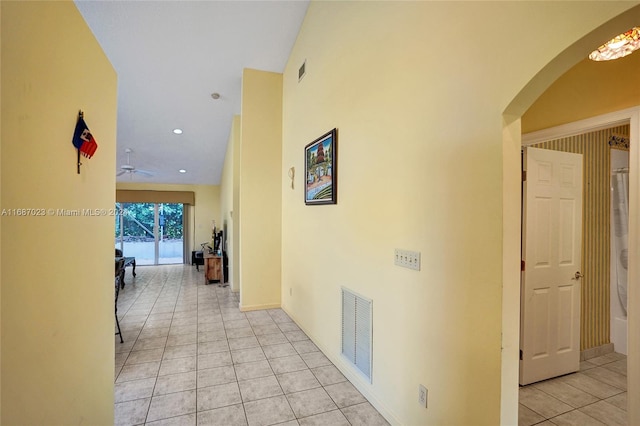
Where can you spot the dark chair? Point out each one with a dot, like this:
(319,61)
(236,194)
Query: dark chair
(127,261)
(119,275)
(197,258)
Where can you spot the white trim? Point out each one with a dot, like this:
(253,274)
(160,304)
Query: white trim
(248,308)
(356,378)
(583,126)
(633,295)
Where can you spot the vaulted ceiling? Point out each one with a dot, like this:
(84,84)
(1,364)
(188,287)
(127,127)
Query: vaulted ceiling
(170,57)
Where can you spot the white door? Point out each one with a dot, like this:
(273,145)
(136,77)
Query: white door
(551,250)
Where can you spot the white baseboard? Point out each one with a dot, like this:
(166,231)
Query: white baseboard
(356,378)
(587,354)
(248,308)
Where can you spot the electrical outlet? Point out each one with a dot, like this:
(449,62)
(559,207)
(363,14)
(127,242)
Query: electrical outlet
(407,259)
(290,291)
(422,396)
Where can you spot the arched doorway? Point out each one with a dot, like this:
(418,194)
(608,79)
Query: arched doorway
(511,215)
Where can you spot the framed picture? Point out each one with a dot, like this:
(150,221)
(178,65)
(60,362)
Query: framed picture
(321,171)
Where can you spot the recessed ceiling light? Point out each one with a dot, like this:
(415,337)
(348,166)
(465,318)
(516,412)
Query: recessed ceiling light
(215,95)
(618,47)
(177,131)
(182,171)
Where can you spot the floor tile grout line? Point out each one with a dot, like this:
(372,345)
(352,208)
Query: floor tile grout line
(138,334)
(161,358)
(582,390)
(235,373)
(575,409)
(197,343)
(558,399)
(197,346)
(599,399)
(557,415)
(223,304)
(168,276)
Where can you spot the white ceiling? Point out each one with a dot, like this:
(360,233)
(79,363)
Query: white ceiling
(170,56)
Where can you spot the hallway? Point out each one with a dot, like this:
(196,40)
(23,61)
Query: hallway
(191,357)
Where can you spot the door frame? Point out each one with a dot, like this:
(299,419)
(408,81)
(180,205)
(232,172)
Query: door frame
(632,117)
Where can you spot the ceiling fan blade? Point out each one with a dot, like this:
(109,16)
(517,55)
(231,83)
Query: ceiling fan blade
(143,172)
(121,173)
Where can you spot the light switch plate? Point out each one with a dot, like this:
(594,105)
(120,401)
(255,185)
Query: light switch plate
(422,396)
(407,259)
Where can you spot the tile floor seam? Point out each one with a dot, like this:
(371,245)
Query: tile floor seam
(235,372)
(555,397)
(288,402)
(161,358)
(599,399)
(567,412)
(162,296)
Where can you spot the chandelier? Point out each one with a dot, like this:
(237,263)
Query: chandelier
(621,45)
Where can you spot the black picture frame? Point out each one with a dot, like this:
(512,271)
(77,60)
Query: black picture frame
(321,177)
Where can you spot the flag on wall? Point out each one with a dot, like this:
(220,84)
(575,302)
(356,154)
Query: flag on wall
(83,139)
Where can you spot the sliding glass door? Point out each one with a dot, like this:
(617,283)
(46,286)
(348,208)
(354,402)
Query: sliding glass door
(170,244)
(151,232)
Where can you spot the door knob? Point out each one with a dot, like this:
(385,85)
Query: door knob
(578,275)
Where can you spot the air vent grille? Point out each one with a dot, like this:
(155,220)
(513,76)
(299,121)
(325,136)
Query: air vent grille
(302,70)
(357,331)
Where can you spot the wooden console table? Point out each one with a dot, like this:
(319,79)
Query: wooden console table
(212,268)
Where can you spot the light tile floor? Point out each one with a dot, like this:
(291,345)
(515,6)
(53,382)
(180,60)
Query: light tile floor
(190,357)
(596,395)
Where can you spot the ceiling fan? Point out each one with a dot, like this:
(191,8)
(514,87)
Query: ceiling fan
(129,168)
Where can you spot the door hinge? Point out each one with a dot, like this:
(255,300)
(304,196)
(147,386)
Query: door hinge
(524,175)
(520,354)
(522,265)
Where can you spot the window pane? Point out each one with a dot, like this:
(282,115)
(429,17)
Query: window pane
(138,238)
(139,231)
(170,247)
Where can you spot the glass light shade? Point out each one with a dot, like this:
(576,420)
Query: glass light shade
(619,46)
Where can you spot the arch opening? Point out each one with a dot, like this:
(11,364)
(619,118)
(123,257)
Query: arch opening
(512,140)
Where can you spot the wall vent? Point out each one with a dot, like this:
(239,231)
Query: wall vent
(357,331)
(302,70)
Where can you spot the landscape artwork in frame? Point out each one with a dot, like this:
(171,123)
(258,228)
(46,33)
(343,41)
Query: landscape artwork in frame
(321,178)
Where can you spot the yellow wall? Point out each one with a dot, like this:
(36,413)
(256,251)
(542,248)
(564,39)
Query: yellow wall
(228,183)
(586,90)
(420,162)
(206,209)
(260,191)
(57,282)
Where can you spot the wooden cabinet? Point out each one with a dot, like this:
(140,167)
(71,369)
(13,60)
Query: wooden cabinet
(212,268)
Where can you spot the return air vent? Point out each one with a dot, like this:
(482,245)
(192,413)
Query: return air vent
(302,70)
(357,331)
